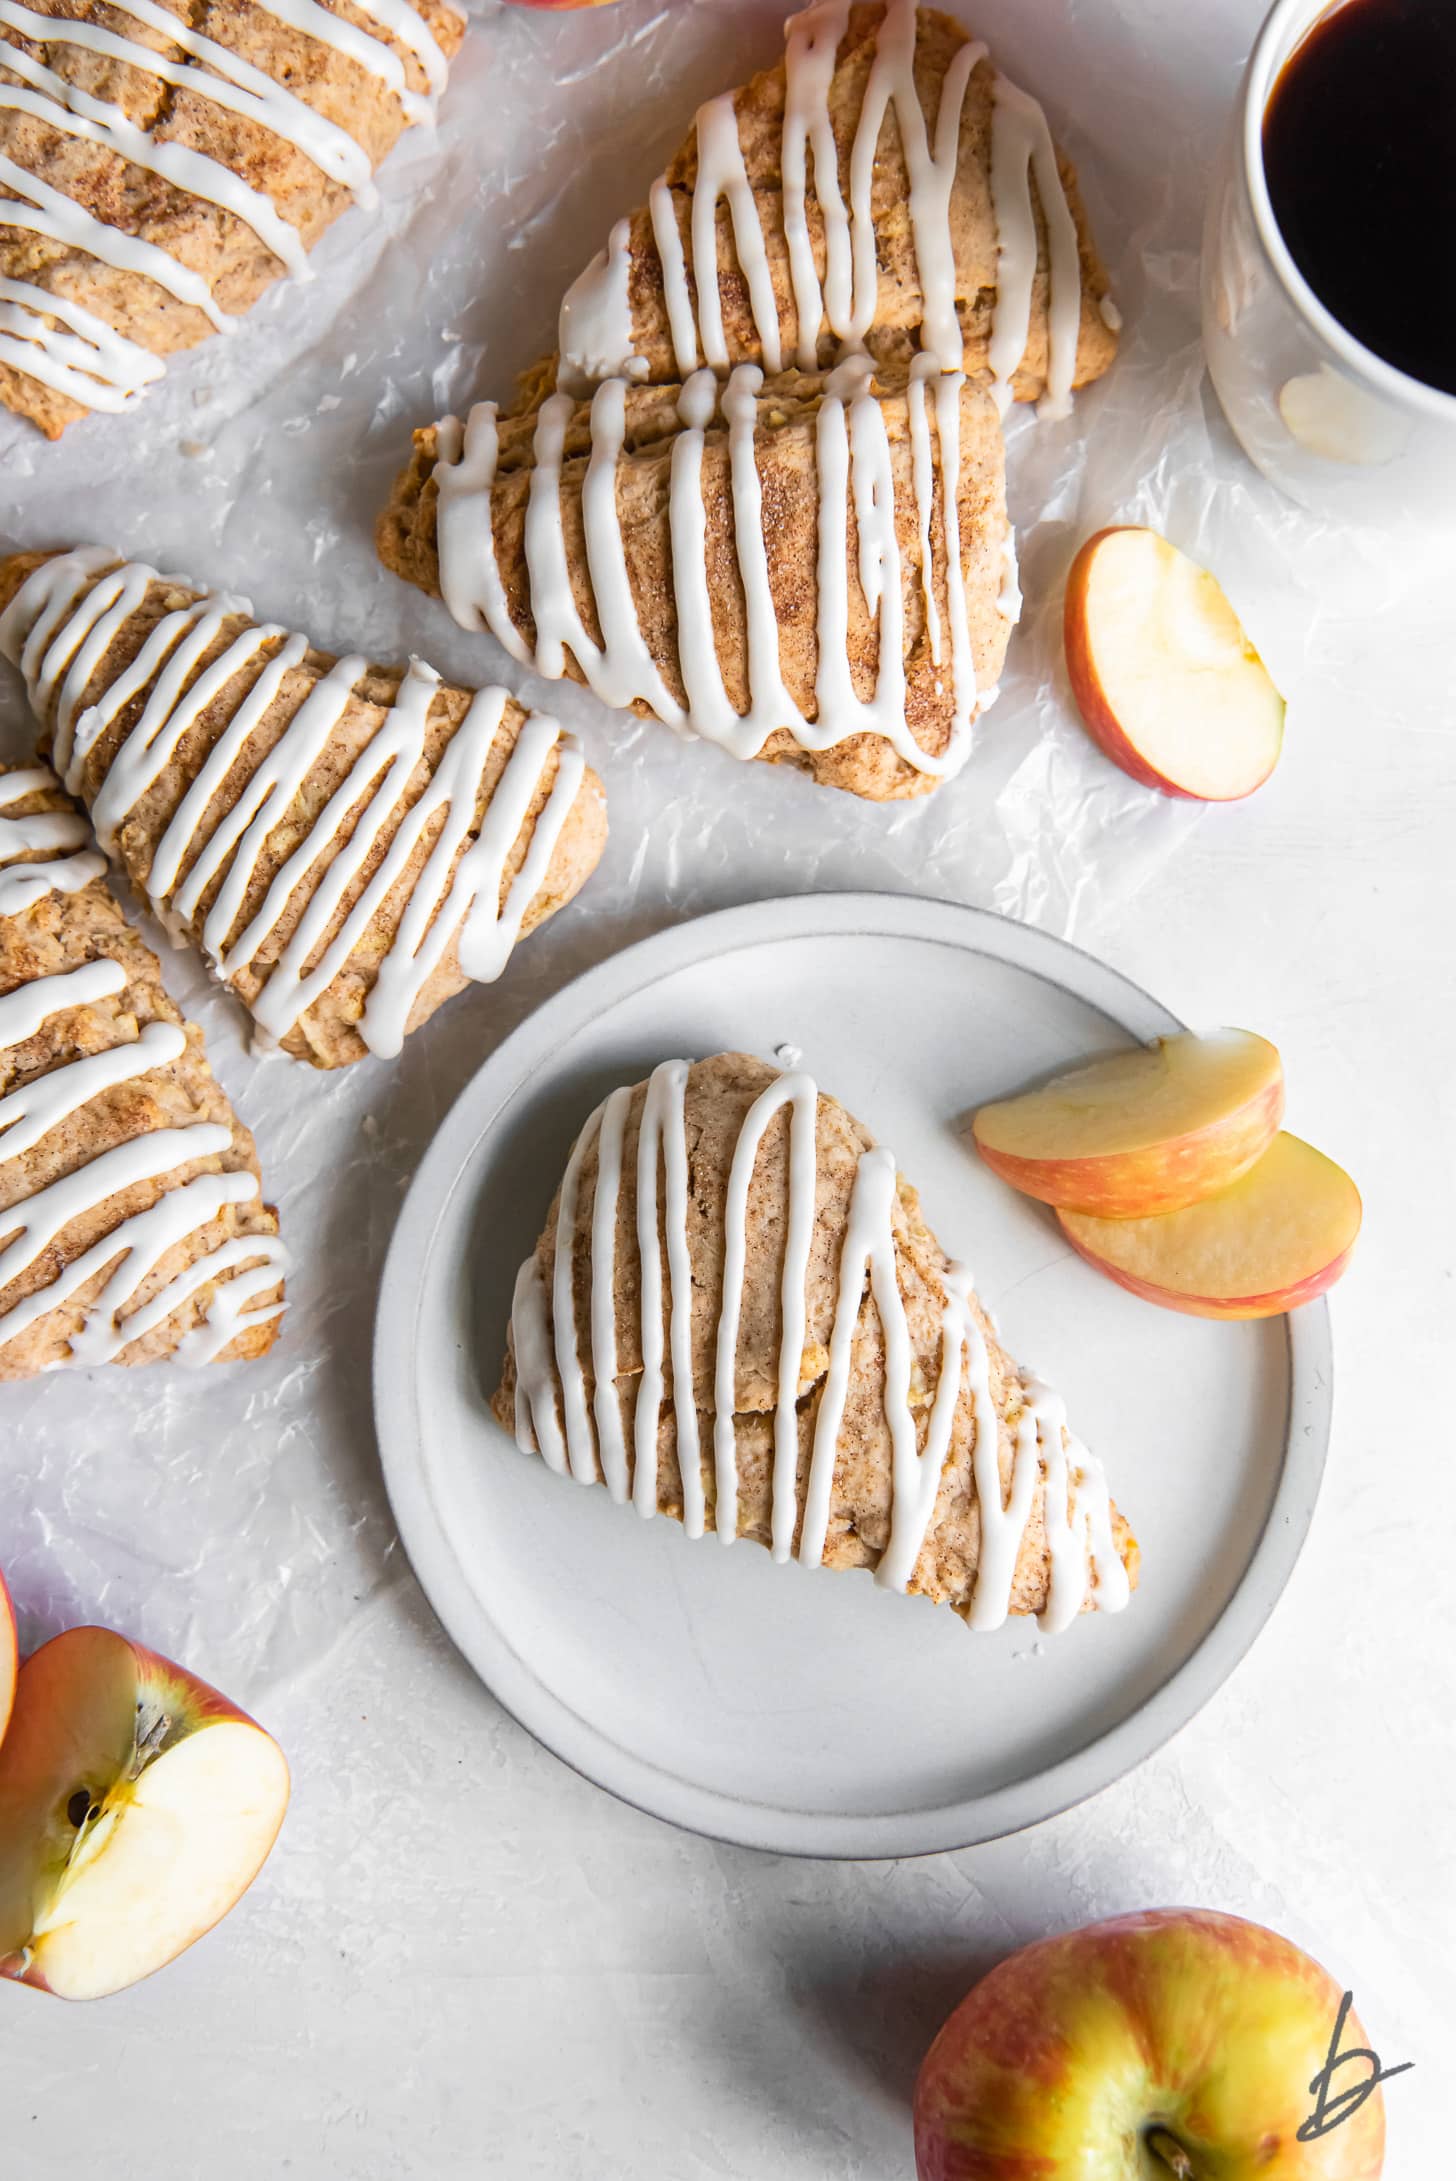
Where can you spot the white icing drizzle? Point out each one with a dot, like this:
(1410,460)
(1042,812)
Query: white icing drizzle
(134,1247)
(595,330)
(79,355)
(1078,1517)
(663,1141)
(21,884)
(226,79)
(59,628)
(23,1011)
(722,173)
(37,209)
(843,303)
(854,468)
(1008,598)
(67,108)
(1022,151)
(580,1432)
(37,1107)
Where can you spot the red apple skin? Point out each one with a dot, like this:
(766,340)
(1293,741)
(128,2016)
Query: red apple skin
(1100,720)
(1206,2025)
(1272,1305)
(196,1701)
(9,1656)
(1158,1178)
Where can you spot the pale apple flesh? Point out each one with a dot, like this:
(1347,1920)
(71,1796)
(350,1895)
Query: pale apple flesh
(1140,1132)
(1164,676)
(9,1656)
(136,1806)
(1174,2042)
(1277,1238)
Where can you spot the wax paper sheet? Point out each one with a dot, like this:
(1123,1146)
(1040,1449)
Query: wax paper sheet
(237,1518)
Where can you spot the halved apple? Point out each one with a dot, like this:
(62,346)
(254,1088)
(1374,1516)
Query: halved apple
(1165,678)
(9,1656)
(1143,1131)
(136,1806)
(1278,1238)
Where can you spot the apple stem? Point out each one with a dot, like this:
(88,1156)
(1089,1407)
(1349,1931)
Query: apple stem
(1170,2151)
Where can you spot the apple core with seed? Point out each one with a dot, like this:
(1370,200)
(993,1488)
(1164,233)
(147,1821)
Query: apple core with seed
(136,1806)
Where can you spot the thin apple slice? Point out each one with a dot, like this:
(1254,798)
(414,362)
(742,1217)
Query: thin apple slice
(1278,1238)
(1166,679)
(1140,1132)
(136,1806)
(9,1656)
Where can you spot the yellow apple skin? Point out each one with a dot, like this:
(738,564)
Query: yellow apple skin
(1229,1256)
(1270,1305)
(85,1703)
(1058,2064)
(1097,711)
(1154,1177)
(9,1656)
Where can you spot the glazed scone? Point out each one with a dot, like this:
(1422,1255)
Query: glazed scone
(809,570)
(347,844)
(884,187)
(160,166)
(131,1224)
(789,1355)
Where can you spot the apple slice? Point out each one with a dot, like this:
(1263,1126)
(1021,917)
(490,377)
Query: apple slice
(9,1656)
(1165,678)
(136,1805)
(1143,1131)
(1279,1237)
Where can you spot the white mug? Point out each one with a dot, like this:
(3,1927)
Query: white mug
(1331,423)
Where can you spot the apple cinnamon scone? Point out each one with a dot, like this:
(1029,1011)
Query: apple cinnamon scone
(808,570)
(131,1223)
(883,189)
(737,1316)
(161,165)
(347,844)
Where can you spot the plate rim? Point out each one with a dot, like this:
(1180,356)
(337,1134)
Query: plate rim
(404,1459)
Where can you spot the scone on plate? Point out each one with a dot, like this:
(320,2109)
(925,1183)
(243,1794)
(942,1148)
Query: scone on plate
(161,166)
(348,844)
(737,1316)
(131,1222)
(812,570)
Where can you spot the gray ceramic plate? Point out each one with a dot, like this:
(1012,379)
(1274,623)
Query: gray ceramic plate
(803,1711)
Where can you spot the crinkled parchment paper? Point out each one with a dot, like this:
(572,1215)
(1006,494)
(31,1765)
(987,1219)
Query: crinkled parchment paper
(236,1518)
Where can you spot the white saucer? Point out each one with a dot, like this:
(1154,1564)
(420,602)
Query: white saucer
(806,1711)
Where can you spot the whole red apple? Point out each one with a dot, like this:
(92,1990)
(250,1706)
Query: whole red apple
(1171,2045)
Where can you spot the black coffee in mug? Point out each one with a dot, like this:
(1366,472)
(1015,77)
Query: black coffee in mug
(1360,159)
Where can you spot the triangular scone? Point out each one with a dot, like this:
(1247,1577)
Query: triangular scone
(815,571)
(883,188)
(347,844)
(131,1226)
(161,165)
(792,1357)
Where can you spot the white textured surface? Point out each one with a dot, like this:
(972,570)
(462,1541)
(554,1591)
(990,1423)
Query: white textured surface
(461,1957)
